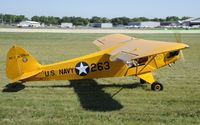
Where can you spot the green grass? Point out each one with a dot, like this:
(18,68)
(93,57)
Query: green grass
(95,101)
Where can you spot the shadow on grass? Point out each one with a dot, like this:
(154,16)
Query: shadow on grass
(92,97)
(13,87)
(124,86)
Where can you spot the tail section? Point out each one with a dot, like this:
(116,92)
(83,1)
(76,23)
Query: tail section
(20,64)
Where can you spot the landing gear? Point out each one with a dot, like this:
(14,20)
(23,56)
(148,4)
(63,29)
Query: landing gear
(156,86)
(148,78)
(142,81)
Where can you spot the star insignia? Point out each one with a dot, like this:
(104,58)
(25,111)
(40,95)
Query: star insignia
(82,69)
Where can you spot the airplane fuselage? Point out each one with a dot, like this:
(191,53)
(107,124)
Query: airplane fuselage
(98,65)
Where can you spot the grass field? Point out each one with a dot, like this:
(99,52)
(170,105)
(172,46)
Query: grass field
(97,101)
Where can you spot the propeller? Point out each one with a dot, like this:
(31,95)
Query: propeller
(179,40)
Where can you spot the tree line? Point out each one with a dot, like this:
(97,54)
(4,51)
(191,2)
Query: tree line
(86,21)
(10,19)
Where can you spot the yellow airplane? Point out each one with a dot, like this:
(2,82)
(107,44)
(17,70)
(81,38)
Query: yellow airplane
(120,56)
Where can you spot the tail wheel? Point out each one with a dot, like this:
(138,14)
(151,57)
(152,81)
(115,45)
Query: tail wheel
(156,86)
(142,81)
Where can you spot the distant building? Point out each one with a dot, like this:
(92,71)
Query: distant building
(148,24)
(102,25)
(191,22)
(169,24)
(106,25)
(66,25)
(29,24)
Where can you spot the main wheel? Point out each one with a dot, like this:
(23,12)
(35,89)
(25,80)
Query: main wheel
(156,86)
(142,81)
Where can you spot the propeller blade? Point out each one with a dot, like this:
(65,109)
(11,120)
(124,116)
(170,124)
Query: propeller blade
(181,56)
(179,40)
(178,37)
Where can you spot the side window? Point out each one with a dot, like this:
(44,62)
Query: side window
(137,62)
(142,61)
(172,54)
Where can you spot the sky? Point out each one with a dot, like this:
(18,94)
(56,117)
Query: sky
(102,8)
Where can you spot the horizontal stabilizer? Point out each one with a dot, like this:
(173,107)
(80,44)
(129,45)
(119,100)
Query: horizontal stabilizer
(25,76)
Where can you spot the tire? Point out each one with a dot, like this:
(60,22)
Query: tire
(156,86)
(142,81)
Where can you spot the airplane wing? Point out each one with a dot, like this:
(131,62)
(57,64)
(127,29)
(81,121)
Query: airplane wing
(111,40)
(132,48)
(139,48)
